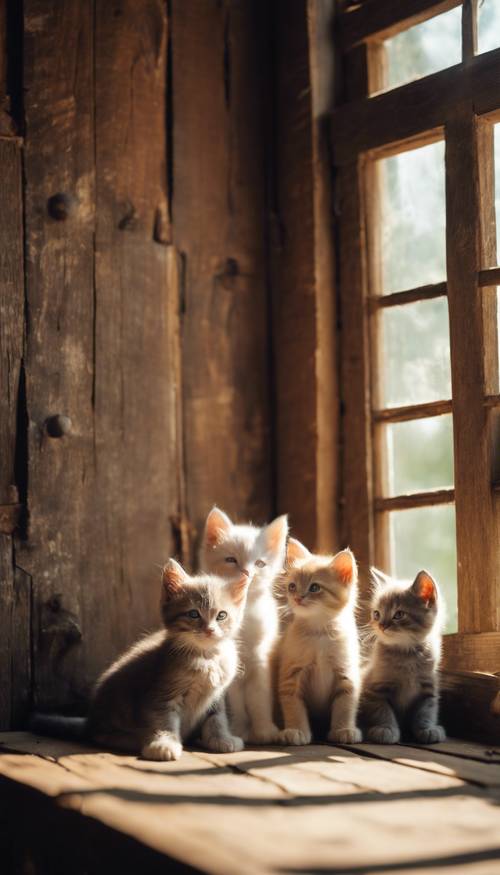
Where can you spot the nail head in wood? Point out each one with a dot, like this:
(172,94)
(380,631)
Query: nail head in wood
(59,425)
(60,206)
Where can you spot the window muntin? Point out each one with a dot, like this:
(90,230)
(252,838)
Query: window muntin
(423,49)
(412,218)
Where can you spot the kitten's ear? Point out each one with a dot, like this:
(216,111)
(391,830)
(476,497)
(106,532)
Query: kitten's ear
(345,567)
(173,578)
(239,588)
(378,578)
(274,535)
(217,526)
(295,551)
(425,588)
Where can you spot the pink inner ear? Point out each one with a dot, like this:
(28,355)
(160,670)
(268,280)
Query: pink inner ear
(426,589)
(276,533)
(344,567)
(173,579)
(295,550)
(215,527)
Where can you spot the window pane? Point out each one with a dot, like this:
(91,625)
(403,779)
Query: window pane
(413,224)
(425,538)
(424,48)
(488,25)
(415,351)
(419,455)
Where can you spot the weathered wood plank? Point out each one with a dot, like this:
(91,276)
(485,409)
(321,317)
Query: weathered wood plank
(474,651)
(471,701)
(177,808)
(101,496)
(472,324)
(219,211)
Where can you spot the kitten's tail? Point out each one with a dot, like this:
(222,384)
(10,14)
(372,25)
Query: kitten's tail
(56,725)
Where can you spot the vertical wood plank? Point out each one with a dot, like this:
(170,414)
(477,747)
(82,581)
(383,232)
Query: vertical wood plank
(101,496)
(219,55)
(469,29)
(472,322)
(355,372)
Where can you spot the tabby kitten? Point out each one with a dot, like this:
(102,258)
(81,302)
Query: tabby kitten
(400,682)
(318,656)
(170,684)
(259,554)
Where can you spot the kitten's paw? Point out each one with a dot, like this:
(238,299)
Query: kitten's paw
(165,748)
(295,736)
(226,744)
(383,735)
(345,736)
(430,735)
(265,735)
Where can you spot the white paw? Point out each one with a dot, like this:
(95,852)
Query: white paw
(166,747)
(383,735)
(227,744)
(345,736)
(431,735)
(295,736)
(265,735)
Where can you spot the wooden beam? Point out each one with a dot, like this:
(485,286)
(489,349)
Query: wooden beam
(397,299)
(413,411)
(471,323)
(404,113)
(415,499)
(384,18)
(469,29)
(470,700)
(489,278)
(469,651)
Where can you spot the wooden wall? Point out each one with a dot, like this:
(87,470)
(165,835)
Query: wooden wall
(150,309)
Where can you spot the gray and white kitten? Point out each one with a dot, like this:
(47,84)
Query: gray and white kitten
(170,684)
(400,693)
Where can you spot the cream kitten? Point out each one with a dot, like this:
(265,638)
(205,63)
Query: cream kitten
(170,684)
(229,549)
(318,656)
(400,681)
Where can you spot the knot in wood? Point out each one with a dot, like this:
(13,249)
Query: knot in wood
(59,425)
(59,206)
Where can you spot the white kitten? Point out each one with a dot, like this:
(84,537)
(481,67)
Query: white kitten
(227,550)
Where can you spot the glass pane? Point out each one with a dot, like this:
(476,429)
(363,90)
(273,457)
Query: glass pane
(425,537)
(488,25)
(415,351)
(424,48)
(419,455)
(413,223)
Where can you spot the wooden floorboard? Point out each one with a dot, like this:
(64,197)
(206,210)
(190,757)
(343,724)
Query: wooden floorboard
(315,809)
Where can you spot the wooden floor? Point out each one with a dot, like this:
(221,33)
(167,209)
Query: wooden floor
(316,810)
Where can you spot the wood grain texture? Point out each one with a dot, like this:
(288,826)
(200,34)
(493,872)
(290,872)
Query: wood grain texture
(471,326)
(218,61)
(296,803)
(302,275)
(396,299)
(472,701)
(413,411)
(100,497)
(384,18)
(415,499)
(474,651)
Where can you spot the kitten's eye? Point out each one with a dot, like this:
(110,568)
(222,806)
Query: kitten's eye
(376,615)
(315,587)
(231,559)
(221,615)
(260,563)
(398,615)
(195,615)
(291,587)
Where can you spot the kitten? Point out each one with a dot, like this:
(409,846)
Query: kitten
(318,657)
(229,549)
(171,683)
(400,681)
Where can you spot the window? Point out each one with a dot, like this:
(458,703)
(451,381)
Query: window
(416,145)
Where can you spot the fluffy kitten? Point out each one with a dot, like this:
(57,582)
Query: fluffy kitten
(400,681)
(171,683)
(229,549)
(318,657)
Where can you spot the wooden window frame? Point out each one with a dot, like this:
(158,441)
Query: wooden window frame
(458,104)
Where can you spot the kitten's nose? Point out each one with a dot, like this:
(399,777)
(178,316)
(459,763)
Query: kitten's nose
(245,571)
(383,626)
(209,631)
(298,599)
